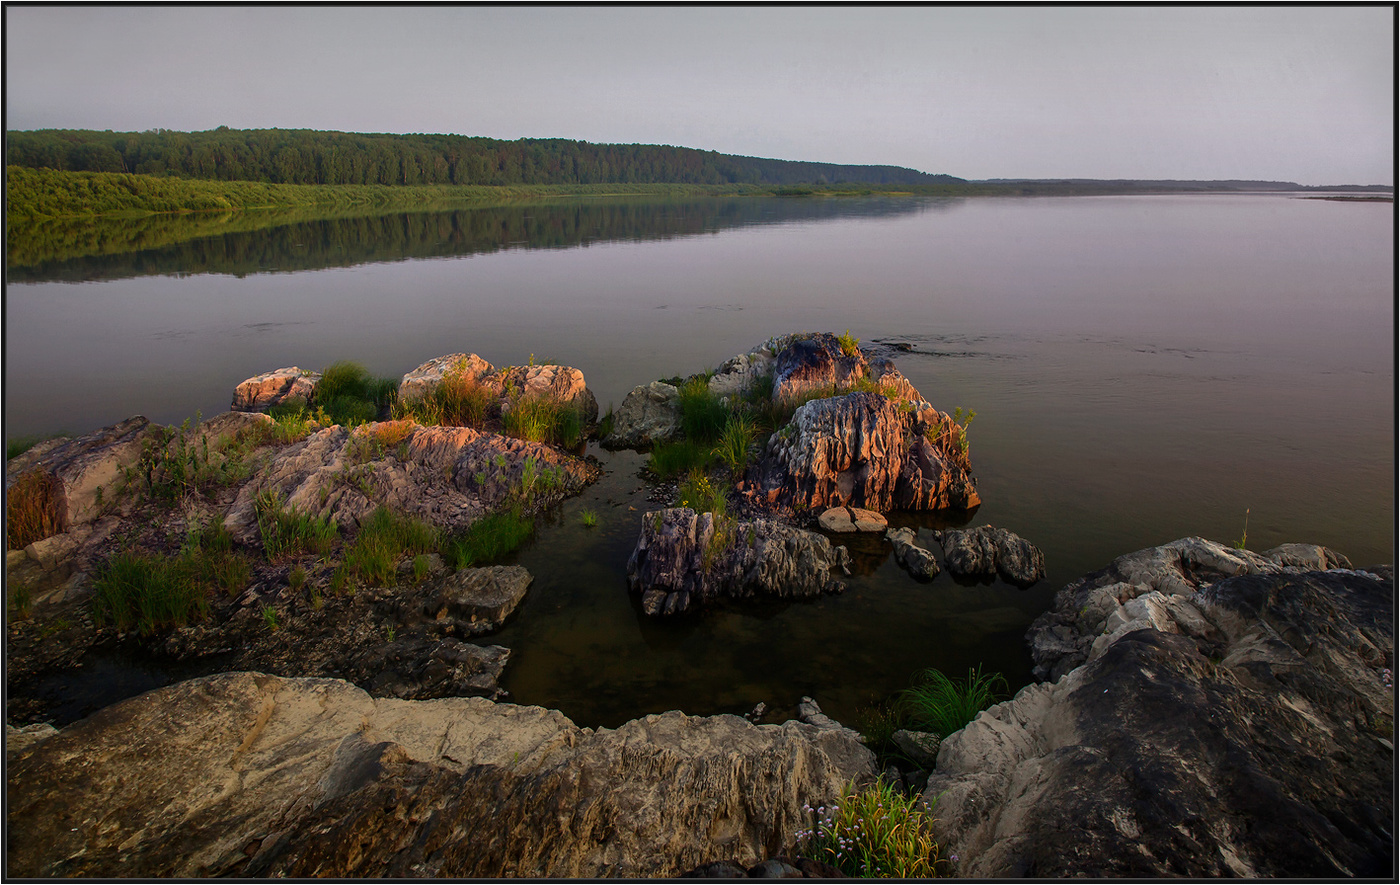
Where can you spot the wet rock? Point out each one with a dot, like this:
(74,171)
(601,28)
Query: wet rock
(987,550)
(773,868)
(262,392)
(921,747)
(479,600)
(86,472)
(844,520)
(685,559)
(649,414)
(244,774)
(865,450)
(1235,722)
(920,563)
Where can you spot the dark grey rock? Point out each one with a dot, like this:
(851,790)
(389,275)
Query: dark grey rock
(724,869)
(478,600)
(987,550)
(920,747)
(1230,718)
(773,868)
(920,563)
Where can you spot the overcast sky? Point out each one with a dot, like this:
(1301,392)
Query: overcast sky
(1285,93)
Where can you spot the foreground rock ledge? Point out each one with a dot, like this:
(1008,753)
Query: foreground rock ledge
(244,774)
(1215,712)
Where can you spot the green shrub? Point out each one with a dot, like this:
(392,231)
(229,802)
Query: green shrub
(701,495)
(488,539)
(31,509)
(874,833)
(457,401)
(209,551)
(850,345)
(343,379)
(148,592)
(350,396)
(288,533)
(941,705)
(703,416)
(384,539)
(681,457)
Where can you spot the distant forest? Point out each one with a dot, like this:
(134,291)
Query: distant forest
(304,156)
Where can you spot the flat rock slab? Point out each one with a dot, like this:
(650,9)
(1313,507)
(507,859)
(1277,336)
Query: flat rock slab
(844,520)
(245,774)
(480,599)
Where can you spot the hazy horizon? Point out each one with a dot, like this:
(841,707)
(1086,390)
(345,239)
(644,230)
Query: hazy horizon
(1300,94)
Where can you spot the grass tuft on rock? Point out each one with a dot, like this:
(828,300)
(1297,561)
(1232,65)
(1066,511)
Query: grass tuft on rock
(31,509)
(385,538)
(286,533)
(942,705)
(488,539)
(877,832)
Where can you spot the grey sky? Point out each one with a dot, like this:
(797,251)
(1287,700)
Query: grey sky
(1291,93)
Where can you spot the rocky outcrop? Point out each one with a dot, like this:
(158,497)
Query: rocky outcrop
(1214,712)
(986,551)
(86,473)
(920,563)
(244,774)
(846,520)
(447,476)
(649,414)
(261,392)
(685,559)
(560,384)
(740,374)
(865,450)
(815,363)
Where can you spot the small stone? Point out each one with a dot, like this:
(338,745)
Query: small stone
(480,599)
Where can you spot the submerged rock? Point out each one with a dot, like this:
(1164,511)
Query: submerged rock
(920,563)
(649,414)
(261,392)
(685,559)
(244,774)
(987,550)
(1213,713)
(845,520)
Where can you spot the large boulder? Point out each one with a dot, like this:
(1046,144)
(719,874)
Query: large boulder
(649,414)
(865,450)
(1227,716)
(261,392)
(685,559)
(447,476)
(815,363)
(83,475)
(987,550)
(244,774)
(560,384)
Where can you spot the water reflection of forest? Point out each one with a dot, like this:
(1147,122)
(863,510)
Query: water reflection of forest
(248,242)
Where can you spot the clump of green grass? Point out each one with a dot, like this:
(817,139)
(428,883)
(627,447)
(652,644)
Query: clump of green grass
(385,538)
(605,425)
(209,550)
(31,509)
(543,419)
(589,518)
(732,449)
(680,457)
(701,495)
(458,400)
(269,614)
(296,578)
(942,705)
(874,833)
(21,602)
(488,539)
(148,592)
(850,345)
(350,396)
(703,415)
(287,533)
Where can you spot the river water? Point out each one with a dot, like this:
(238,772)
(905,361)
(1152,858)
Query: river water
(1142,368)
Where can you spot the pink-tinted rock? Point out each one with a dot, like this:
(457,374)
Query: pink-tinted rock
(815,362)
(88,471)
(844,520)
(421,381)
(262,392)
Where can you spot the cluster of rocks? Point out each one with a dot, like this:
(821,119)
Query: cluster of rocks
(1212,712)
(561,384)
(245,774)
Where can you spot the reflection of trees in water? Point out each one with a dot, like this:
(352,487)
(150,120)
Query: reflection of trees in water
(243,243)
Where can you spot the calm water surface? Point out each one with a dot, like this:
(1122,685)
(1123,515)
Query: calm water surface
(1143,368)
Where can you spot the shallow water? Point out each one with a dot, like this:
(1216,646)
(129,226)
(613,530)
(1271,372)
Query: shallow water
(1143,368)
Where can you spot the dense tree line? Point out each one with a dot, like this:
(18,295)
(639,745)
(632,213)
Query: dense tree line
(304,156)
